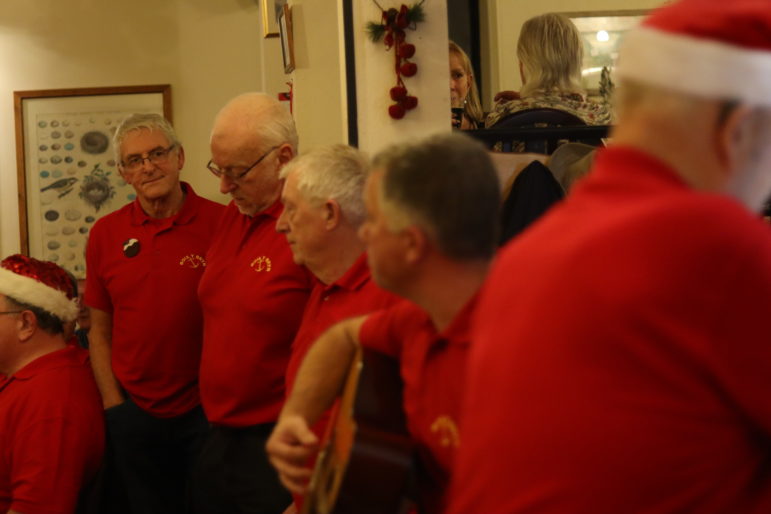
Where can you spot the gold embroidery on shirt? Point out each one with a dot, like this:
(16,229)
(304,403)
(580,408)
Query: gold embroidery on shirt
(447,431)
(193,261)
(261,264)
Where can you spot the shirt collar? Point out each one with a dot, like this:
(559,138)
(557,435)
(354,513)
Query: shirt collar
(183,217)
(459,329)
(56,359)
(354,278)
(626,163)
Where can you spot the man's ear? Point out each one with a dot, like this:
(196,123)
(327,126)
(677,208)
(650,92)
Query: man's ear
(734,138)
(416,244)
(26,325)
(333,214)
(181,157)
(125,176)
(285,154)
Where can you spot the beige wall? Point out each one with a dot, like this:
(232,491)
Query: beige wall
(319,72)
(208,50)
(502,19)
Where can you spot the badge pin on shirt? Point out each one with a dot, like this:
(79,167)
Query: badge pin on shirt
(131,247)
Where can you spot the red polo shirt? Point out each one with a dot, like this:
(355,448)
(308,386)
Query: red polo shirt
(151,294)
(353,294)
(622,358)
(432,366)
(51,433)
(253,296)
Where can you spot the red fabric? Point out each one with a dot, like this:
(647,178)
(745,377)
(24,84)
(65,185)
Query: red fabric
(621,355)
(741,23)
(432,367)
(157,321)
(353,294)
(253,296)
(51,433)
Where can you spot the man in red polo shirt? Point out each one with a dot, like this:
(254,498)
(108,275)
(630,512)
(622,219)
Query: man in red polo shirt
(430,233)
(253,296)
(621,355)
(323,210)
(144,263)
(51,422)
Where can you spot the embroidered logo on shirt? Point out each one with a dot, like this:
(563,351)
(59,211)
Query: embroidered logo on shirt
(261,264)
(131,247)
(447,431)
(192,261)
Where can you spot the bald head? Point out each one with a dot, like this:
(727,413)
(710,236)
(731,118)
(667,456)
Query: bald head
(252,138)
(255,120)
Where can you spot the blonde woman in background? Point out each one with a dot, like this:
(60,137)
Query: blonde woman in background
(550,54)
(463,91)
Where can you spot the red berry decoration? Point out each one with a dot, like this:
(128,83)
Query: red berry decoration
(408,69)
(406,51)
(410,102)
(396,111)
(398,92)
(391,29)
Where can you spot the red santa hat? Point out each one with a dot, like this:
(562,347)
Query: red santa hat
(710,48)
(40,284)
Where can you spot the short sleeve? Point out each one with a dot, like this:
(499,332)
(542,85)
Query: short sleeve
(384,330)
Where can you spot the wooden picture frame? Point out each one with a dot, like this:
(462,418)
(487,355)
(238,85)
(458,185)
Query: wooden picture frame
(270,10)
(67,174)
(287,41)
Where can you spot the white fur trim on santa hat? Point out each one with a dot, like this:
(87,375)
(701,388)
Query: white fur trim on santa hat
(696,65)
(30,291)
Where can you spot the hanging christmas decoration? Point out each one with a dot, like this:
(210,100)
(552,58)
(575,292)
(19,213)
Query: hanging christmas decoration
(391,29)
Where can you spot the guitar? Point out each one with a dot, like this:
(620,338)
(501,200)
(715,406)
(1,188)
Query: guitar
(366,457)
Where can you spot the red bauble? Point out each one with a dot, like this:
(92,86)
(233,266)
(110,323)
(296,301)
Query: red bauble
(406,51)
(389,40)
(410,102)
(399,35)
(396,111)
(398,92)
(408,69)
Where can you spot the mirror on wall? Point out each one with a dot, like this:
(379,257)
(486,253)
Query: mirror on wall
(488,31)
(602,34)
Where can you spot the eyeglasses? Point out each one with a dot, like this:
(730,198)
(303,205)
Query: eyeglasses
(236,175)
(156,156)
(11,312)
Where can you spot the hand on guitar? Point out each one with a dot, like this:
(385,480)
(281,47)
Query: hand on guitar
(289,447)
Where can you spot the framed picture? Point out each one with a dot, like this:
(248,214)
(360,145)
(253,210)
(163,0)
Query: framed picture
(270,10)
(601,33)
(66,167)
(287,44)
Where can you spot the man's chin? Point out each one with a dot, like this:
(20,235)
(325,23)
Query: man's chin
(245,208)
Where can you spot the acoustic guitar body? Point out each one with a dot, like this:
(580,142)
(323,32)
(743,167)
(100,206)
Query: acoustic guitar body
(365,461)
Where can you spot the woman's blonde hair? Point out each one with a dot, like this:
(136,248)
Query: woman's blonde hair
(473,107)
(551,54)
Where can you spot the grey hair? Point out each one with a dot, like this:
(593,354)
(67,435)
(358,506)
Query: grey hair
(447,185)
(336,172)
(139,121)
(551,53)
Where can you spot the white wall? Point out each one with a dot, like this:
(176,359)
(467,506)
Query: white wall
(319,72)
(502,19)
(375,76)
(208,50)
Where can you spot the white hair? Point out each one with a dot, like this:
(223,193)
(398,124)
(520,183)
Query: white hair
(334,172)
(146,121)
